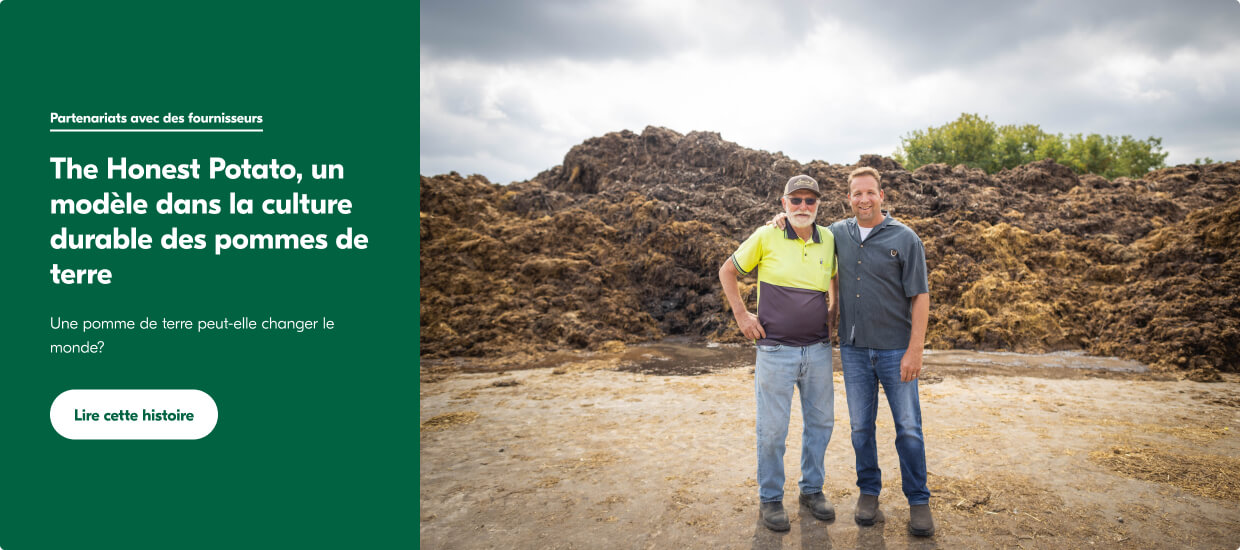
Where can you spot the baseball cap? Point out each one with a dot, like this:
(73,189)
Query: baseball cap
(802,182)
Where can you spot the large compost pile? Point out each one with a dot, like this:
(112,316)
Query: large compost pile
(622,243)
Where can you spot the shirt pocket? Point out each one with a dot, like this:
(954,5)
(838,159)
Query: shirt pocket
(890,262)
(824,271)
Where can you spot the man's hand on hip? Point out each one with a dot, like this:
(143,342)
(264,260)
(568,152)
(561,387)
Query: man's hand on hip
(750,326)
(910,365)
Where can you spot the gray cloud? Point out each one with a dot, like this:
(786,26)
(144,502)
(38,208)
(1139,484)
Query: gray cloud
(496,30)
(918,35)
(924,36)
(508,89)
(500,31)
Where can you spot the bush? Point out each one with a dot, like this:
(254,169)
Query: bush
(977,142)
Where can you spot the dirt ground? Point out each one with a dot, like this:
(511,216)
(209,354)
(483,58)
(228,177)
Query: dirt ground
(653,447)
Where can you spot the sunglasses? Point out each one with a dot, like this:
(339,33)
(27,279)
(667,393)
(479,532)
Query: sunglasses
(796,201)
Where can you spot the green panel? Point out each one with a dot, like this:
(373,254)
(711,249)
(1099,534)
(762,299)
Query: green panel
(316,445)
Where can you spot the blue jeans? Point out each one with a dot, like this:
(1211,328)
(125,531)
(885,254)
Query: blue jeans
(864,370)
(779,369)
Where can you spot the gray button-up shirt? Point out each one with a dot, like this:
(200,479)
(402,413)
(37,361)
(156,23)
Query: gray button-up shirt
(878,278)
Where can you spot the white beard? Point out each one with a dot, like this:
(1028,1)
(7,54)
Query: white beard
(797,223)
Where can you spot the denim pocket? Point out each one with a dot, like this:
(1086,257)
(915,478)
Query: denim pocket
(769,349)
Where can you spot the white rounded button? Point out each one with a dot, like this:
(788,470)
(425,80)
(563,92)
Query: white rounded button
(134,414)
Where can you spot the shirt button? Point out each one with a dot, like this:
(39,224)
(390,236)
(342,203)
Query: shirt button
(858,278)
(858,295)
(858,262)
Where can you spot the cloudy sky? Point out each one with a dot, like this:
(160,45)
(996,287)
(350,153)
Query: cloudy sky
(508,87)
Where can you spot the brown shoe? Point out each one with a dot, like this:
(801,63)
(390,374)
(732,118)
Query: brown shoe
(819,506)
(867,510)
(920,522)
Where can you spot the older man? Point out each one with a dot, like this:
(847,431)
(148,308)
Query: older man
(795,266)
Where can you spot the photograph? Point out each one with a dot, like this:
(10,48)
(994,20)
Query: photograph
(800,274)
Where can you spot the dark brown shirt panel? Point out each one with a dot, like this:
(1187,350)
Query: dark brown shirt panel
(792,316)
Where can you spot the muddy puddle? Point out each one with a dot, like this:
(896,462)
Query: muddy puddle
(683,357)
(1061,364)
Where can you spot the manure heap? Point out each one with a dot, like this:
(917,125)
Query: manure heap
(623,242)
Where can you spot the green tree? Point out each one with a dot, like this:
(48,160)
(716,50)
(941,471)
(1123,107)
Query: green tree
(1092,154)
(968,140)
(1134,157)
(1052,147)
(977,142)
(1019,145)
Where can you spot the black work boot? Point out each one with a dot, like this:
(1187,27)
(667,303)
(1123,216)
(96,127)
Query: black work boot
(819,506)
(867,510)
(773,516)
(919,521)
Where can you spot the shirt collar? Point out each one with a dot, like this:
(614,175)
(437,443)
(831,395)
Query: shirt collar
(790,233)
(854,228)
(887,219)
